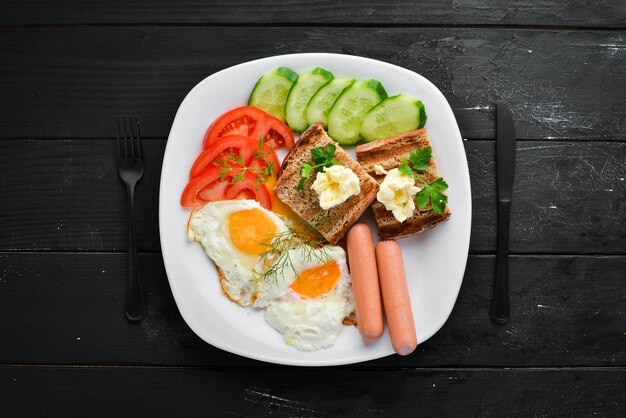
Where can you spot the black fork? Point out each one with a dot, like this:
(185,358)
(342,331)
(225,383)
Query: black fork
(130,167)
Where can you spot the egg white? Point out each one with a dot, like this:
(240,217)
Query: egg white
(307,324)
(209,226)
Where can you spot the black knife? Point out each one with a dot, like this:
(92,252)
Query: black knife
(505,169)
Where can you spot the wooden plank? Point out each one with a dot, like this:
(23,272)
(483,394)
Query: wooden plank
(76,187)
(93,391)
(66,195)
(605,13)
(66,308)
(567,197)
(560,84)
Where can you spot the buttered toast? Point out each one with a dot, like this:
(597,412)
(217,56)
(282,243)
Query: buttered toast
(387,154)
(332,223)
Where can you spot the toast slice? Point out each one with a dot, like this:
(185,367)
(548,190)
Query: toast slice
(332,223)
(388,153)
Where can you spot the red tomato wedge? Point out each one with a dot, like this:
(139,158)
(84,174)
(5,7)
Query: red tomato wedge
(205,184)
(257,163)
(247,189)
(215,190)
(232,146)
(246,146)
(206,187)
(252,122)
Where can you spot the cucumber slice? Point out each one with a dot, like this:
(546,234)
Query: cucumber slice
(307,85)
(271,90)
(393,116)
(323,100)
(347,114)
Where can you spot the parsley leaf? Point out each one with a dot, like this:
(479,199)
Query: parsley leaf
(406,170)
(432,192)
(420,158)
(439,201)
(423,198)
(322,157)
(440,184)
(300,185)
(306,170)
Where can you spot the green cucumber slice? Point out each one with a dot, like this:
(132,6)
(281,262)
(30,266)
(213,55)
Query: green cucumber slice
(393,116)
(347,114)
(323,100)
(271,90)
(307,85)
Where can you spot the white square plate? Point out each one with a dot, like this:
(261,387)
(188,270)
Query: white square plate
(434,261)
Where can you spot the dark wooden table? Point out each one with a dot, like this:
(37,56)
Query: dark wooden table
(67,68)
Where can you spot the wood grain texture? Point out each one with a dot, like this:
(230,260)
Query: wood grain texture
(608,13)
(560,84)
(70,67)
(63,391)
(66,308)
(66,195)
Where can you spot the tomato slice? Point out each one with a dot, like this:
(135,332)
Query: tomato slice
(248,189)
(215,190)
(275,132)
(259,163)
(252,122)
(203,183)
(245,145)
(207,186)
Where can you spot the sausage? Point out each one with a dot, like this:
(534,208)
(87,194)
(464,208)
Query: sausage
(396,297)
(364,274)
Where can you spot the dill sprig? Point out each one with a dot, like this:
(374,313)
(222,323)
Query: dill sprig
(235,166)
(278,255)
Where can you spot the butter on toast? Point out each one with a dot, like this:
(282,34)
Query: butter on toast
(332,223)
(387,153)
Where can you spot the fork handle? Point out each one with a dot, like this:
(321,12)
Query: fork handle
(135,302)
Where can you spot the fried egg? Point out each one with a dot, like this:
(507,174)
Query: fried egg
(233,233)
(307,306)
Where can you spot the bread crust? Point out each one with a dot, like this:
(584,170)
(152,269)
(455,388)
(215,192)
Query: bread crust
(332,223)
(388,154)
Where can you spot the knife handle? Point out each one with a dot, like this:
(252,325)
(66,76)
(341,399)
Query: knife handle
(500,308)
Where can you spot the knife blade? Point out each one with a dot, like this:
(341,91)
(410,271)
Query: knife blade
(505,170)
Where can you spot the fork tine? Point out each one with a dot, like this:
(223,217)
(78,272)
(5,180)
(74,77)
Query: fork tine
(139,144)
(129,146)
(130,140)
(125,139)
(133,131)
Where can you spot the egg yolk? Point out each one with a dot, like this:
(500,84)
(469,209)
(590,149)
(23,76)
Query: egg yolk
(278,206)
(317,280)
(251,230)
(282,209)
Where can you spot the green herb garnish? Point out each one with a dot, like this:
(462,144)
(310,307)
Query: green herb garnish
(430,192)
(322,157)
(277,256)
(235,166)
